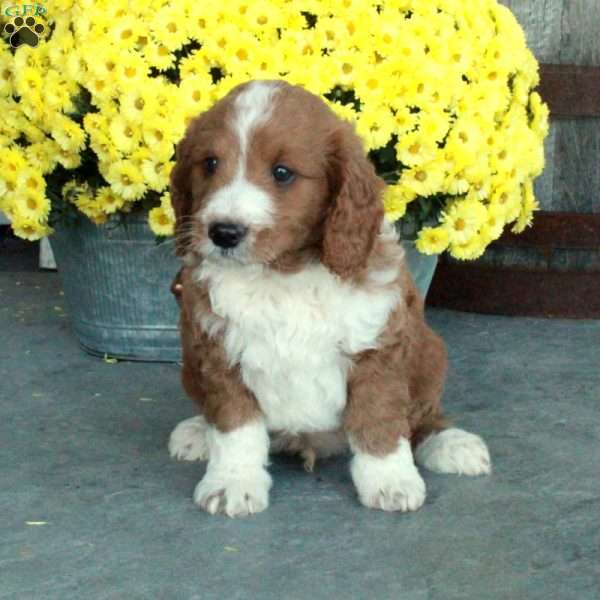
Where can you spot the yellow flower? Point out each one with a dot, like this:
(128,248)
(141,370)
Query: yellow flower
(469,250)
(372,84)
(131,69)
(168,27)
(404,120)
(344,111)
(332,31)
(125,135)
(125,179)
(463,219)
(12,162)
(155,130)
(446,84)
(30,229)
(415,149)
(263,17)
(530,204)
(395,201)
(6,74)
(103,61)
(32,204)
(434,125)
(200,19)
(194,94)
(68,135)
(424,180)
(125,31)
(83,197)
(108,201)
(433,240)
(76,66)
(58,92)
(28,81)
(375,127)
(101,89)
(540,114)
(161,221)
(494,224)
(158,55)
(156,174)
(31,180)
(104,148)
(506,198)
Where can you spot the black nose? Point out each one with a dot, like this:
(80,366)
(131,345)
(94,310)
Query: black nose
(227,235)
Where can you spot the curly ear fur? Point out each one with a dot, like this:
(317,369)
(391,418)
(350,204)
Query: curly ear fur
(181,192)
(355,217)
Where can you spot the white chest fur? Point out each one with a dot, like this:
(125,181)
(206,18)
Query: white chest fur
(293,335)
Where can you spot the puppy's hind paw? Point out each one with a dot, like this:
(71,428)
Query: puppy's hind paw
(454,451)
(188,440)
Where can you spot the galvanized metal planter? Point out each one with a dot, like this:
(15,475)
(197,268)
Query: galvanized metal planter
(422,267)
(116,281)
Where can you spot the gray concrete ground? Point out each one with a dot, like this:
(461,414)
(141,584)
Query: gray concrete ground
(91,506)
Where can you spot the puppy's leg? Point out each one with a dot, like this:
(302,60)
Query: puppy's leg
(388,482)
(437,446)
(454,451)
(188,441)
(382,468)
(236,482)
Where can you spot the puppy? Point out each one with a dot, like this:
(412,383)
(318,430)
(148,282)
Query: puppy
(301,327)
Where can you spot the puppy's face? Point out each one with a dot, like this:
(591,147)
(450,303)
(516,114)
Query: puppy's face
(259,176)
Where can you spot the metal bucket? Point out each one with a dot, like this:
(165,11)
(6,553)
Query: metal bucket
(421,266)
(116,281)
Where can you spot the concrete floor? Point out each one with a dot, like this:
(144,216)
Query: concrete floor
(91,506)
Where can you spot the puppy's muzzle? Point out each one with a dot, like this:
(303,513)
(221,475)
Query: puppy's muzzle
(227,235)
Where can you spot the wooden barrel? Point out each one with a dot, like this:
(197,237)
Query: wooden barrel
(553,268)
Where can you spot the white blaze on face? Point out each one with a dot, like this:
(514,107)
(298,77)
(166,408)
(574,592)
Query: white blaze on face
(241,201)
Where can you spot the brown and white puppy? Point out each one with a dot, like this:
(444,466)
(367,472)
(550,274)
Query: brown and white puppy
(301,327)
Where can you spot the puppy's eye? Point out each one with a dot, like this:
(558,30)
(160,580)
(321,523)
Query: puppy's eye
(210,165)
(282,174)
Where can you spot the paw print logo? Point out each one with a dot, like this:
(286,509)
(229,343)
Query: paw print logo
(24,31)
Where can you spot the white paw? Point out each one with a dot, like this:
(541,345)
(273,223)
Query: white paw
(454,451)
(188,440)
(234,496)
(402,494)
(389,483)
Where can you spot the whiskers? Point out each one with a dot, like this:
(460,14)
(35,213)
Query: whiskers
(193,239)
(187,235)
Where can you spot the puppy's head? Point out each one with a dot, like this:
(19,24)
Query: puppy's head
(269,175)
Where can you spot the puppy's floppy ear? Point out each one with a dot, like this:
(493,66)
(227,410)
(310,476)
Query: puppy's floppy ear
(181,190)
(354,218)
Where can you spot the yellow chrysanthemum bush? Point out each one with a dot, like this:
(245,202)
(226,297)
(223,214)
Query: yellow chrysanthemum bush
(440,91)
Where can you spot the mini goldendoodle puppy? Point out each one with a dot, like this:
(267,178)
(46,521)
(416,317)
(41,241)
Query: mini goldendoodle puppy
(301,327)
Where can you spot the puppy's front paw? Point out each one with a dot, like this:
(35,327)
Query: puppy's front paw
(188,440)
(391,483)
(403,495)
(393,492)
(234,496)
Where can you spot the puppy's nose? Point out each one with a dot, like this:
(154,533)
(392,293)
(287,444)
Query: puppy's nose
(227,235)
